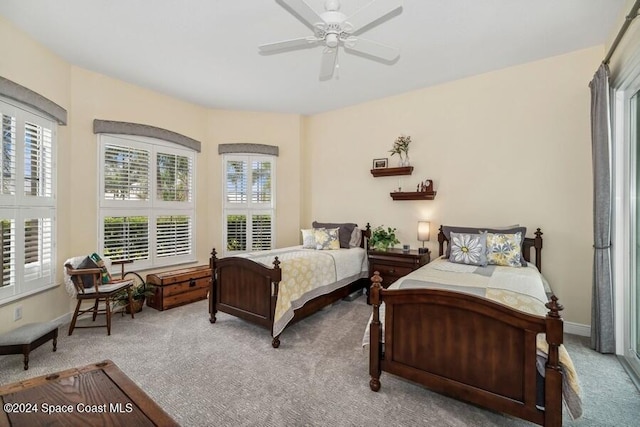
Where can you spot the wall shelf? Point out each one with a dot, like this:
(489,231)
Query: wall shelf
(413,195)
(405,170)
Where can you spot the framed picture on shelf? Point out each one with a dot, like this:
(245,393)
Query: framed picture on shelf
(380,163)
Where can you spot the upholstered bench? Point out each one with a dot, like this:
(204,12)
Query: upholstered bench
(28,337)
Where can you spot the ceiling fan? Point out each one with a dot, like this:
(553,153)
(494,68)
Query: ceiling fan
(332,29)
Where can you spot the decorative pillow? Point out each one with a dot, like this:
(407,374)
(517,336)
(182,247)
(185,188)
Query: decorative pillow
(308,238)
(345,230)
(468,249)
(87,279)
(356,238)
(326,238)
(100,264)
(446,230)
(504,249)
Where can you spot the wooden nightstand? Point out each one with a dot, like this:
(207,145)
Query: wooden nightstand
(393,264)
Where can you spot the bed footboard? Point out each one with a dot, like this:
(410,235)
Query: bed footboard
(244,288)
(467,347)
(249,290)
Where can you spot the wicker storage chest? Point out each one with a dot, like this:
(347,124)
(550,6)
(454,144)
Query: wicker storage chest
(179,287)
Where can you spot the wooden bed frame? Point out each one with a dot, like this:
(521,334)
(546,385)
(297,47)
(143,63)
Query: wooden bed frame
(468,347)
(249,290)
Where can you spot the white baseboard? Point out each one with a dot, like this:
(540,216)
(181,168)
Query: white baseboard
(577,329)
(64,319)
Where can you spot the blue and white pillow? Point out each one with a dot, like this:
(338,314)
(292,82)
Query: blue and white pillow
(504,249)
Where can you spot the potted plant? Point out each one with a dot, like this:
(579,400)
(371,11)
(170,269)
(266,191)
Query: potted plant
(381,238)
(401,148)
(139,292)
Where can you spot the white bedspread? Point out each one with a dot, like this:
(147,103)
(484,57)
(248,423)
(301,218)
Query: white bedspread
(309,273)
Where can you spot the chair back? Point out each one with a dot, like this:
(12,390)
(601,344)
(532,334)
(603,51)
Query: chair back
(79,276)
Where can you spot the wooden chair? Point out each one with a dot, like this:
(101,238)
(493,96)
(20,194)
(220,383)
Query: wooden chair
(97,292)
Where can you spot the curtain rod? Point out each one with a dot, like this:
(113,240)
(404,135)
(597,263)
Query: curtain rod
(627,21)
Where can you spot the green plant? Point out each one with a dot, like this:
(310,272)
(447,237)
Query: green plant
(138,294)
(382,238)
(401,146)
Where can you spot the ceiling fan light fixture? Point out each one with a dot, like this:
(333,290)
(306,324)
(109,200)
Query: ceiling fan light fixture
(331,5)
(332,40)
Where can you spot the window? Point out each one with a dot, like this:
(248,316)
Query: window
(626,219)
(147,208)
(27,202)
(249,200)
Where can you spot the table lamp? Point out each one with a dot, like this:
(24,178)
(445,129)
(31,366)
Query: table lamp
(423,235)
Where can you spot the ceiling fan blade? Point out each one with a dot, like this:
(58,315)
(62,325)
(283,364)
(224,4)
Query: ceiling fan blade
(371,48)
(302,42)
(372,12)
(328,65)
(302,11)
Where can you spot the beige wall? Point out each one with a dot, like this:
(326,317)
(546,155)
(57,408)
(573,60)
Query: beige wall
(510,146)
(86,96)
(506,147)
(283,130)
(29,64)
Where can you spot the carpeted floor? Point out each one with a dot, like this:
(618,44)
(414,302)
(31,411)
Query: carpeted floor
(227,374)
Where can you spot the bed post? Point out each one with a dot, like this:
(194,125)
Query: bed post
(441,240)
(537,244)
(553,372)
(213,288)
(275,342)
(366,235)
(375,337)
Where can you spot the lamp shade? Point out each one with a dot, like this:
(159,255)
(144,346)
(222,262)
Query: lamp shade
(423,231)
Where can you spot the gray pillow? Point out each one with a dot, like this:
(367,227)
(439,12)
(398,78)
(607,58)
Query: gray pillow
(345,230)
(447,229)
(87,279)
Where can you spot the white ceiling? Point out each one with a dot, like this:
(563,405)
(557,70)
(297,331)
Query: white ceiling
(206,51)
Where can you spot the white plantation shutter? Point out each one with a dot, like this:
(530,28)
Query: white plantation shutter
(261,182)
(38,250)
(27,202)
(249,202)
(173,177)
(236,182)
(148,209)
(126,237)
(8,159)
(37,161)
(174,236)
(8,245)
(261,229)
(126,173)
(236,231)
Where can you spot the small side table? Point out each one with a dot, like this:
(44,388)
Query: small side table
(393,264)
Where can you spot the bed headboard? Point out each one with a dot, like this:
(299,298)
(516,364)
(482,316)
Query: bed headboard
(530,243)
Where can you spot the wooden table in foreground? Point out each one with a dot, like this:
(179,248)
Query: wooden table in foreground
(97,394)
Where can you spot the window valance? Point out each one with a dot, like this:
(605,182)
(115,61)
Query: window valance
(26,96)
(125,128)
(248,149)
